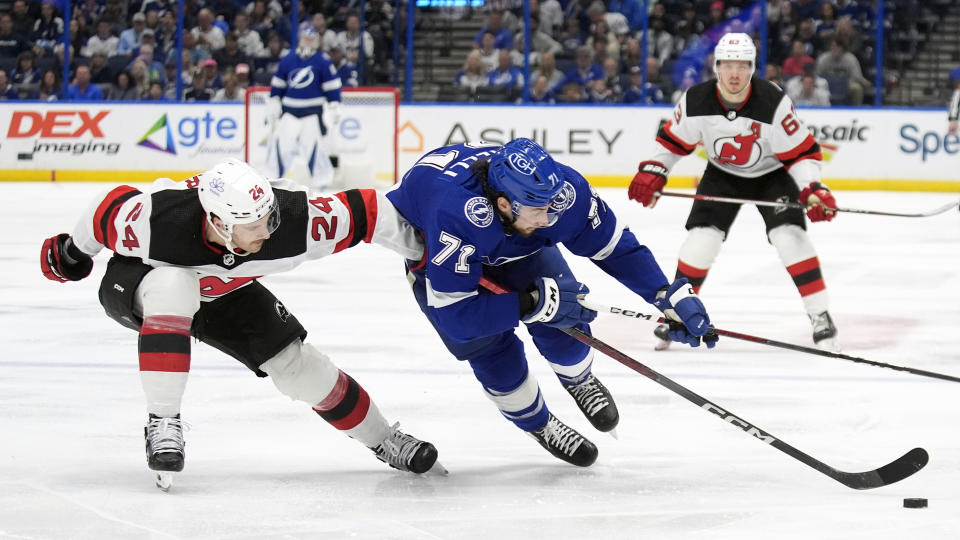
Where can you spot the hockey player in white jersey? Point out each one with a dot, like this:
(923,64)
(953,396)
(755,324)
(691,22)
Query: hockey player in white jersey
(757,148)
(304,110)
(187,258)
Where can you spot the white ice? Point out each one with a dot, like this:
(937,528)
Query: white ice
(260,466)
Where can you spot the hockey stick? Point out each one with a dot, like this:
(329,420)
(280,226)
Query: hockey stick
(797,206)
(897,470)
(596,306)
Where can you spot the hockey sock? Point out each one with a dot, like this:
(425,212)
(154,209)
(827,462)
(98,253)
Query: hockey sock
(164,349)
(697,254)
(349,409)
(798,256)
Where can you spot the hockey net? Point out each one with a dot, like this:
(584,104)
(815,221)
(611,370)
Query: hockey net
(364,143)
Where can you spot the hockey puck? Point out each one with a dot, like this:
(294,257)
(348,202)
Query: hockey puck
(914,503)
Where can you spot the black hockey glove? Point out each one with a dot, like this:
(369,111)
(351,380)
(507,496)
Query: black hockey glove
(62,261)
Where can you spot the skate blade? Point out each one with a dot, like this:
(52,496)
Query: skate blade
(613,433)
(437,470)
(164,481)
(662,345)
(829,344)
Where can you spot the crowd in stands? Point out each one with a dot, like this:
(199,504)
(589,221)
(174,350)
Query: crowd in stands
(590,51)
(126,49)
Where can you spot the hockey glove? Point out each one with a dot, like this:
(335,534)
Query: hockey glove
(821,206)
(555,303)
(331,114)
(62,261)
(647,183)
(679,303)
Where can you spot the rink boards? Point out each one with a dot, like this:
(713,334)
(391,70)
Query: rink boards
(863,148)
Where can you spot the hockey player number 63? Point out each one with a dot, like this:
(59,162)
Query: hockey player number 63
(790,124)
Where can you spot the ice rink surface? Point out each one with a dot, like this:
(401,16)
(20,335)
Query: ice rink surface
(260,466)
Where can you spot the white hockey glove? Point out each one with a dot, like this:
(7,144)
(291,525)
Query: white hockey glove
(331,115)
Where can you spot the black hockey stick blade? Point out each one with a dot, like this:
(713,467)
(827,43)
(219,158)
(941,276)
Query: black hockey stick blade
(798,206)
(897,470)
(892,472)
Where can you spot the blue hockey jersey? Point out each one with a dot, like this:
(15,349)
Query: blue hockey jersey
(304,85)
(442,197)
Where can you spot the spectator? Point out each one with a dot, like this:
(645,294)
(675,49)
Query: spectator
(773,75)
(687,79)
(139,78)
(82,89)
(155,70)
(716,16)
(349,39)
(49,88)
(611,75)
(230,55)
(603,43)
(379,22)
(474,73)
(198,90)
(231,90)
(551,16)
(166,34)
(616,27)
(22,21)
(826,22)
(649,93)
(503,38)
(584,72)
(48,29)
(518,53)
(540,41)
(249,40)
(26,71)
(264,22)
(540,91)
(242,73)
(809,93)
(130,38)
(572,38)
(506,76)
(209,35)
(155,92)
(793,87)
(659,41)
(488,52)
(170,67)
(548,70)
(99,72)
(272,55)
(345,69)
(152,21)
(211,75)
(572,93)
(122,88)
(88,11)
(7,91)
(793,65)
(190,48)
(807,34)
(149,37)
(103,41)
(840,64)
(598,92)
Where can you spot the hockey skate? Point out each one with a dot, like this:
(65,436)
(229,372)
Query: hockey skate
(565,443)
(407,453)
(596,403)
(824,332)
(164,445)
(663,337)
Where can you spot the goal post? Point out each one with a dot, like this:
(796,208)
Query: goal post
(364,142)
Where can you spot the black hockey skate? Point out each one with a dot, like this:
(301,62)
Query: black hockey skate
(565,443)
(405,452)
(163,437)
(824,332)
(597,404)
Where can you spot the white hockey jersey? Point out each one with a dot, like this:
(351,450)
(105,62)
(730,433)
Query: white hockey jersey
(163,225)
(760,136)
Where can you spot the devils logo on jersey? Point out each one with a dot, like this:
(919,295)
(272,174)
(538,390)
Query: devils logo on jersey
(740,150)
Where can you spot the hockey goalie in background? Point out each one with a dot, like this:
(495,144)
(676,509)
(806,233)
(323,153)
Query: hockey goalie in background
(304,110)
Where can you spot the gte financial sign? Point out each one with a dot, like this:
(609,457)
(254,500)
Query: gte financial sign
(78,129)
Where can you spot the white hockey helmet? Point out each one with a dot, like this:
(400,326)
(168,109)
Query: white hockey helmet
(236,193)
(735,46)
(308,43)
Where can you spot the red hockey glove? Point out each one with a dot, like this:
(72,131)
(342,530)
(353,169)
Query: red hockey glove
(647,183)
(62,261)
(821,206)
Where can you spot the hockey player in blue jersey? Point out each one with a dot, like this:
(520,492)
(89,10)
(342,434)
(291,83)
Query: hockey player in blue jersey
(497,213)
(305,97)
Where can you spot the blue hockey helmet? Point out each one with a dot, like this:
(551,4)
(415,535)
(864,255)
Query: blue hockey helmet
(526,173)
